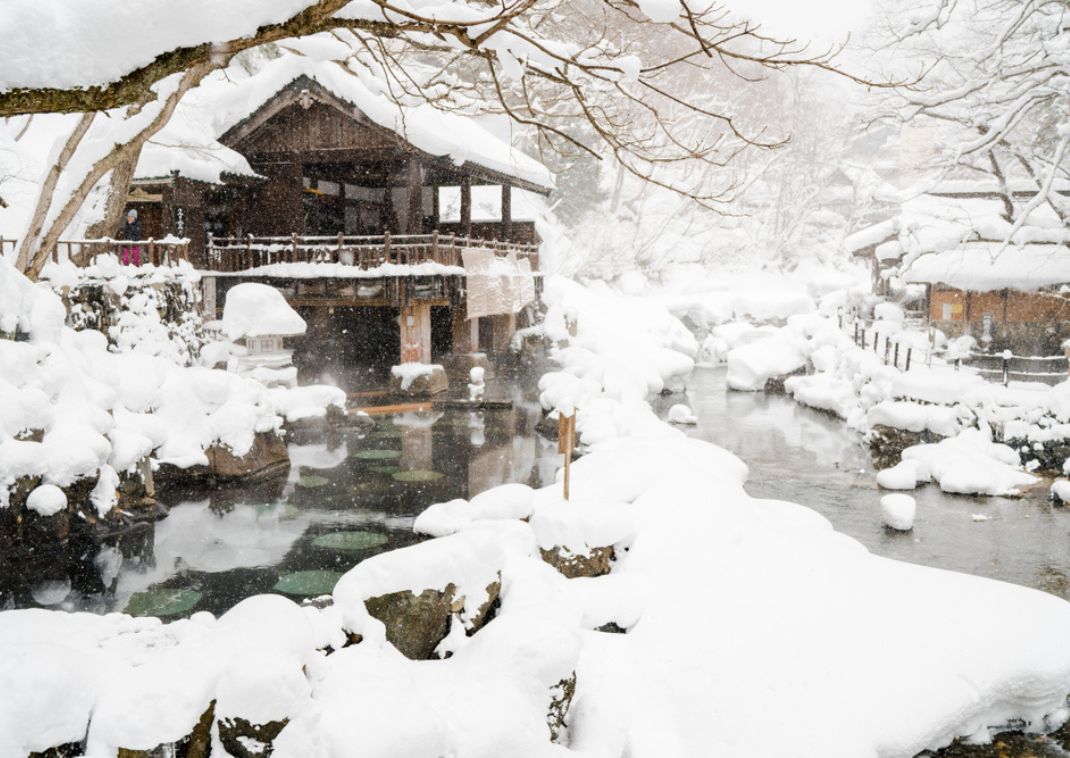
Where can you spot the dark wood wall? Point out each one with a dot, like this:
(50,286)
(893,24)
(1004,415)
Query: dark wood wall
(314,130)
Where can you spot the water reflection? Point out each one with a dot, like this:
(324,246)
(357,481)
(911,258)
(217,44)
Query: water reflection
(363,485)
(798,454)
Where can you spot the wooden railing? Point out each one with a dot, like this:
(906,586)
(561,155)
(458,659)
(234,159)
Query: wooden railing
(227,254)
(82,252)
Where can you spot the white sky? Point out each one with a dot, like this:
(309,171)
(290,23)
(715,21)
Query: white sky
(822,21)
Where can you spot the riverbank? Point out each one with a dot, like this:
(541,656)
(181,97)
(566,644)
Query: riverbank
(701,617)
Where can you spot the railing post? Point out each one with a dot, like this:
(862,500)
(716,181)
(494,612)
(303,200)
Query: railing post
(1007,355)
(152,252)
(909,349)
(895,359)
(856,333)
(434,245)
(386,246)
(887,347)
(341,242)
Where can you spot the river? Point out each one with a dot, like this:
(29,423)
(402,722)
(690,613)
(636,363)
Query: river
(806,456)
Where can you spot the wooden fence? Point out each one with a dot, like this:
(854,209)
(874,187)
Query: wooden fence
(995,367)
(231,254)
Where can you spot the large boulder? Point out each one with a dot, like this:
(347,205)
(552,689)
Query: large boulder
(596,561)
(266,458)
(458,367)
(421,592)
(415,623)
(418,380)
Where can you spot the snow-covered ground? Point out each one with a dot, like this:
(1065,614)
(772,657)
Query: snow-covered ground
(753,628)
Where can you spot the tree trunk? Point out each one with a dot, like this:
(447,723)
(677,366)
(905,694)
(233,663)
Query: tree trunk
(120,154)
(44,197)
(118,189)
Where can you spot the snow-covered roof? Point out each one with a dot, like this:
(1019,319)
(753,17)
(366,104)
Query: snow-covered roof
(871,235)
(254,310)
(184,149)
(190,143)
(936,235)
(988,266)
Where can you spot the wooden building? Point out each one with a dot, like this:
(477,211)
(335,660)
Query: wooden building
(1013,297)
(1007,287)
(318,166)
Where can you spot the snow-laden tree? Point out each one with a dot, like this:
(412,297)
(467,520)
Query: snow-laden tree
(601,77)
(796,202)
(998,85)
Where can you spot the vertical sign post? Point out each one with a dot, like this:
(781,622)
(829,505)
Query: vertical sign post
(566,434)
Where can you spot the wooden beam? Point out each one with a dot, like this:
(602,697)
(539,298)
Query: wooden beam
(466,205)
(415,195)
(507,212)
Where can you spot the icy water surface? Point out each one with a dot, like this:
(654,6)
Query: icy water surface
(349,494)
(806,456)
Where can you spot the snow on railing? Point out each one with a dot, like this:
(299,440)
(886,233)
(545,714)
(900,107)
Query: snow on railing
(996,367)
(1003,366)
(365,251)
(895,353)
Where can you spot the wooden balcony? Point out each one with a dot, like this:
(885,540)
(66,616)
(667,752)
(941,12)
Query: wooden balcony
(237,254)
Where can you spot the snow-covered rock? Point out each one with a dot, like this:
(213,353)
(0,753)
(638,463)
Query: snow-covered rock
(898,512)
(751,366)
(681,414)
(46,500)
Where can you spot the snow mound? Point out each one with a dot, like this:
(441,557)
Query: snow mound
(253,310)
(410,372)
(46,500)
(681,414)
(898,512)
(971,464)
(751,366)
